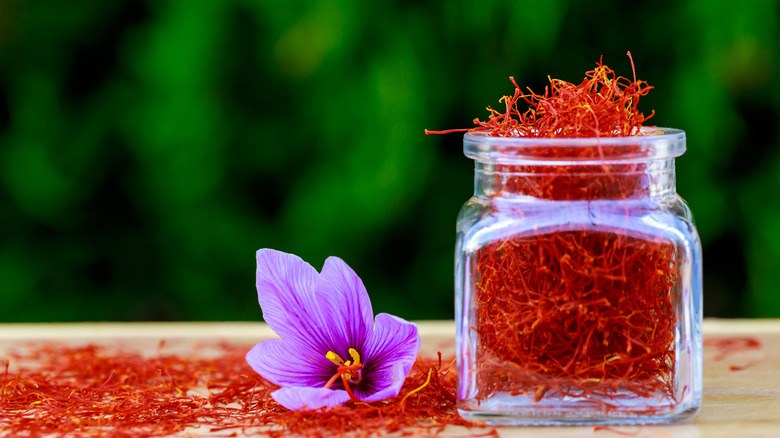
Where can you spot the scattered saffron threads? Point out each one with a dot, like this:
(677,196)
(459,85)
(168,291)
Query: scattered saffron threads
(602,105)
(575,312)
(92,391)
(732,345)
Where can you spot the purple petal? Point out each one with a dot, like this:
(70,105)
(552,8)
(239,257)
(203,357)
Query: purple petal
(285,290)
(343,299)
(303,398)
(389,355)
(288,364)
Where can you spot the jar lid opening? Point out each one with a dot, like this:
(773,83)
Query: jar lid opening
(652,144)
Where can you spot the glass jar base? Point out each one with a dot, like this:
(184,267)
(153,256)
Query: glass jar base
(524,411)
(569,418)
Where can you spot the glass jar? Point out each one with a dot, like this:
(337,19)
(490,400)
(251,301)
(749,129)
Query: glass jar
(578,283)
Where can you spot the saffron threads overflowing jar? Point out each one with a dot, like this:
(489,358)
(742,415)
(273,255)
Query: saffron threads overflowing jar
(578,282)
(578,270)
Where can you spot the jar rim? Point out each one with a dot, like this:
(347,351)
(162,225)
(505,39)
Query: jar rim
(655,143)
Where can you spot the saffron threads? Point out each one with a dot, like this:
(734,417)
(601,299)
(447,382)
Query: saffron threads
(92,391)
(733,345)
(602,105)
(576,314)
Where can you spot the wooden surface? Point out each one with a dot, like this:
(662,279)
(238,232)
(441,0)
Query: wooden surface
(737,402)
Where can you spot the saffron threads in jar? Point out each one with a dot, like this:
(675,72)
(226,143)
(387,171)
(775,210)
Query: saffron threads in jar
(576,313)
(87,391)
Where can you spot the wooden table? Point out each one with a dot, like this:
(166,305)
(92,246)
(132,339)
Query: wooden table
(737,402)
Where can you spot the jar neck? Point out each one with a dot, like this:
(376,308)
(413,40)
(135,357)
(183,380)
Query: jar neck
(576,182)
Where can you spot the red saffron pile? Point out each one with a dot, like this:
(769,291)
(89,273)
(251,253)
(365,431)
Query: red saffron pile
(94,391)
(582,311)
(602,105)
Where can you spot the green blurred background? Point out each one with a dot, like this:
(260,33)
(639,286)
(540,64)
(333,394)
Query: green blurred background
(149,148)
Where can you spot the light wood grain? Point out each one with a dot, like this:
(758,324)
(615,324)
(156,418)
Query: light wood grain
(742,403)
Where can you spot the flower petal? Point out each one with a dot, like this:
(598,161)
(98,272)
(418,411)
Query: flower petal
(289,364)
(342,297)
(390,354)
(286,292)
(303,398)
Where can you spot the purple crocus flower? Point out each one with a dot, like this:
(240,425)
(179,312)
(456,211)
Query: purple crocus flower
(332,350)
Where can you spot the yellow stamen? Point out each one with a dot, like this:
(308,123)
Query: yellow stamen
(335,358)
(355,356)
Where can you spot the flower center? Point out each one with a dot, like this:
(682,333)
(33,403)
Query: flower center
(348,371)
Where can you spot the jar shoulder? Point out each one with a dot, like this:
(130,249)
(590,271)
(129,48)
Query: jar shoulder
(677,206)
(484,220)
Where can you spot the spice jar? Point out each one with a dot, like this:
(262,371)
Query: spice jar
(578,282)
